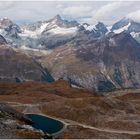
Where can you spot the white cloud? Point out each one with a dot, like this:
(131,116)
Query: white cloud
(5,5)
(107,9)
(111,11)
(77,11)
(60,6)
(83,11)
(135,15)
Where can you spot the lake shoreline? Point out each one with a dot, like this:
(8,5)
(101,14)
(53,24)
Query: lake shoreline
(52,118)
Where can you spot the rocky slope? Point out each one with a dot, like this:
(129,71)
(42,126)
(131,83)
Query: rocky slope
(18,67)
(102,64)
(15,125)
(86,115)
(89,56)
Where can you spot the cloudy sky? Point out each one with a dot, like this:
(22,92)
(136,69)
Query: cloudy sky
(82,11)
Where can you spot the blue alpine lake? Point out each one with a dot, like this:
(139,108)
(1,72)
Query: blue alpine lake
(46,124)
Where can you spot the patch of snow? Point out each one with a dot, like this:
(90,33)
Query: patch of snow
(53,29)
(90,27)
(60,30)
(2,32)
(42,28)
(122,29)
(34,34)
(112,42)
(102,67)
(28,33)
(109,29)
(75,86)
(45,52)
(135,35)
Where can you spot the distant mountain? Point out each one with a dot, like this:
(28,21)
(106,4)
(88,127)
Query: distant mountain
(47,34)
(129,26)
(96,30)
(101,28)
(89,56)
(57,31)
(9,28)
(55,21)
(10,31)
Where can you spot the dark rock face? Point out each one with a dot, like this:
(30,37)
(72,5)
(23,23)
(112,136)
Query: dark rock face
(51,42)
(2,40)
(101,28)
(105,86)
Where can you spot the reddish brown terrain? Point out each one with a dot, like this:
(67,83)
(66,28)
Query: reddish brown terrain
(85,114)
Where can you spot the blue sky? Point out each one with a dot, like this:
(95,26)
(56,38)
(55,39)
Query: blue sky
(82,11)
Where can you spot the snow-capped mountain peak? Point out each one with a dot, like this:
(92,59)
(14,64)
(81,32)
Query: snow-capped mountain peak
(128,25)
(55,19)
(124,28)
(5,22)
(121,23)
(53,26)
(57,31)
(89,27)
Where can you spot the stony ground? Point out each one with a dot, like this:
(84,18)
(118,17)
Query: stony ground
(15,125)
(86,114)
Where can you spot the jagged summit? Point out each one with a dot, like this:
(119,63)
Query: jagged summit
(121,23)
(101,27)
(57,17)
(62,22)
(5,22)
(128,25)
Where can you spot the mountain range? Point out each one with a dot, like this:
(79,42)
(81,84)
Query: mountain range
(95,57)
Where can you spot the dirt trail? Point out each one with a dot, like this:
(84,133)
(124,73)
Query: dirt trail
(34,108)
(70,122)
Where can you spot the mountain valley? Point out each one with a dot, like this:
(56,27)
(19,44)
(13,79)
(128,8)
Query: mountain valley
(84,76)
